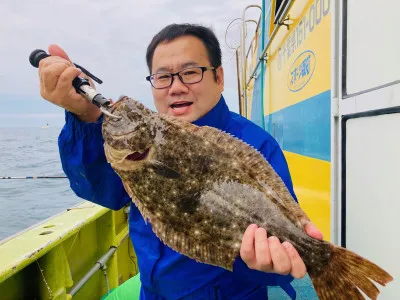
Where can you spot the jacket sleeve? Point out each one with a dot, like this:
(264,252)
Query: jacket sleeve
(83,161)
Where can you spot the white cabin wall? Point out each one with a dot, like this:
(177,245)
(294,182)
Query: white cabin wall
(368,160)
(372,44)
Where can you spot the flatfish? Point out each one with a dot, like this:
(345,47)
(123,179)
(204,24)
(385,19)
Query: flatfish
(200,188)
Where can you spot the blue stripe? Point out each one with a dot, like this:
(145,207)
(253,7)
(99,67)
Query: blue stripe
(256,107)
(304,128)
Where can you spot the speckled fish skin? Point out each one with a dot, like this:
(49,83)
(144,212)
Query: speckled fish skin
(200,188)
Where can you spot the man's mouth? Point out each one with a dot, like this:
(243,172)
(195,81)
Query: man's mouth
(180,104)
(181,108)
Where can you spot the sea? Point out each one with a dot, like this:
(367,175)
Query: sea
(31,151)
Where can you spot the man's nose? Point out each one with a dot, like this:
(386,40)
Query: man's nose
(177,86)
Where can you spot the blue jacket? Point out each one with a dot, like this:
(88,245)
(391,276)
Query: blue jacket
(164,271)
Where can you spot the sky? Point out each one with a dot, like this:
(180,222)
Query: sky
(109,38)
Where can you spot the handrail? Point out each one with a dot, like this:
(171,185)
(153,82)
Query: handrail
(100,264)
(243,52)
(274,32)
(238,64)
(254,37)
(226,31)
(238,80)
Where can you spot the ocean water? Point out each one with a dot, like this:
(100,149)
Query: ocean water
(25,202)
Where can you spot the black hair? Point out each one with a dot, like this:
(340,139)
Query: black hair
(173,31)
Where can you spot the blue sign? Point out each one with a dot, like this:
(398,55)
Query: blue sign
(301,71)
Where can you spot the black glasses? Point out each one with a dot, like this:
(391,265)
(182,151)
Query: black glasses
(187,76)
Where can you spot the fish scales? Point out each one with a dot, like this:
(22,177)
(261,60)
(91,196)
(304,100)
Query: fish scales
(200,188)
(213,201)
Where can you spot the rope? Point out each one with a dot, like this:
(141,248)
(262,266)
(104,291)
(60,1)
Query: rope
(32,177)
(45,281)
(73,242)
(103,268)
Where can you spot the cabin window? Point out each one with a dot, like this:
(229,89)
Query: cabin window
(279,8)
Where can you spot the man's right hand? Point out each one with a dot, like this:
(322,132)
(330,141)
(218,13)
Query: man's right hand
(56,74)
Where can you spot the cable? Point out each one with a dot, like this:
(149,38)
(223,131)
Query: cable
(32,177)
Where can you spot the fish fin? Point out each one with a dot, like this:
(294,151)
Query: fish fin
(142,209)
(193,248)
(345,272)
(127,188)
(184,125)
(260,168)
(163,170)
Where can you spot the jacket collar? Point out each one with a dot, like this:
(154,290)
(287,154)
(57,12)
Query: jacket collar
(217,117)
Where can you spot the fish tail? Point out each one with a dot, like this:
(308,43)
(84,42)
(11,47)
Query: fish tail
(346,274)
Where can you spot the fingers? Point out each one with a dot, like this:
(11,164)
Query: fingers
(313,231)
(281,262)
(56,50)
(262,253)
(51,73)
(45,62)
(298,268)
(66,78)
(56,73)
(247,251)
(262,250)
(56,76)
(269,254)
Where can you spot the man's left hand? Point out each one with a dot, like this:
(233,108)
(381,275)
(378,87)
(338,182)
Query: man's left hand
(270,255)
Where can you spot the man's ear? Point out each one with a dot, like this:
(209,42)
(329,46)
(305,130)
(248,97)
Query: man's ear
(220,78)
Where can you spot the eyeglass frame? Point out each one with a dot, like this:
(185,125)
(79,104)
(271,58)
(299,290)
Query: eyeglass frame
(203,69)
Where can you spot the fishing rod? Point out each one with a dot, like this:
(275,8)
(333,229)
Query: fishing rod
(32,177)
(81,85)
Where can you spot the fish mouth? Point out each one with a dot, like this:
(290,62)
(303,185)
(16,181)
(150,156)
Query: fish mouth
(181,104)
(137,156)
(120,100)
(126,159)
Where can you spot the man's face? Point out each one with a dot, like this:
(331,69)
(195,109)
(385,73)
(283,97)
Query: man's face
(186,101)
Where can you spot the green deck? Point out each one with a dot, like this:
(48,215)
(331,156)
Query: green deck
(46,260)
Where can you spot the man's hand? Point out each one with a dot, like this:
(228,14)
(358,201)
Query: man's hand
(56,74)
(270,255)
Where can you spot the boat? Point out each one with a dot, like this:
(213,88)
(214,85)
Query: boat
(82,253)
(321,77)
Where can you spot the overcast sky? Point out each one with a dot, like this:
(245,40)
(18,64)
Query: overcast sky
(109,38)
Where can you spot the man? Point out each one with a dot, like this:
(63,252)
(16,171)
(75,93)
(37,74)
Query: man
(174,52)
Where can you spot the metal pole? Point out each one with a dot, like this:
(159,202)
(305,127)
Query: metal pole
(238,80)
(262,65)
(243,65)
(264,53)
(100,264)
(243,49)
